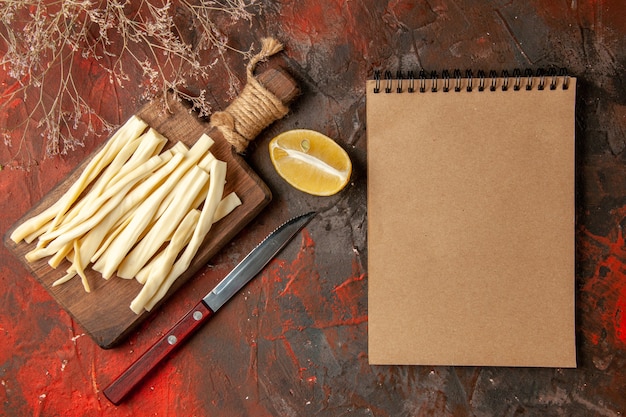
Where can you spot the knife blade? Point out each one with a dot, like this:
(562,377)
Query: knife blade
(232,283)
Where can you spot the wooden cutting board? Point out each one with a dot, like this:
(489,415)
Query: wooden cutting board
(104,313)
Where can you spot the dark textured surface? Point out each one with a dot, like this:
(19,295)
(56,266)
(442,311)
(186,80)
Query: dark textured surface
(294,342)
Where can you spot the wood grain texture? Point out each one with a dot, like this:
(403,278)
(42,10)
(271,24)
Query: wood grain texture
(280,83)
(104,313)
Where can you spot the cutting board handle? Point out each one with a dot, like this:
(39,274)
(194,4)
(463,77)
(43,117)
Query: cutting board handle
(280,83)
(264,99)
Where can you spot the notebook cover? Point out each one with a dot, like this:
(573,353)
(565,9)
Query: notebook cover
(471,227)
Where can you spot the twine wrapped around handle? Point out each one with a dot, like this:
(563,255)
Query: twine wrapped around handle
(255,108)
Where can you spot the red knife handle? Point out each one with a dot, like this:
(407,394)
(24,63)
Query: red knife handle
(132,376)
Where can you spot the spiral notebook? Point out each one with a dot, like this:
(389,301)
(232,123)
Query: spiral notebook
(471,219)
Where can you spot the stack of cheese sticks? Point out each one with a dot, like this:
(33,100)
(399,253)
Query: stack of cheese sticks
(135,212)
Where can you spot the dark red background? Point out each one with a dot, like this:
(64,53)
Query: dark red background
(294,342)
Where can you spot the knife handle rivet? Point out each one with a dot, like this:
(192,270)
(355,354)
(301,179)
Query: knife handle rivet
(197,315)
(171,339)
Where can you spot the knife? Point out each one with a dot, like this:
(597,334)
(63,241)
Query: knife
(247,269)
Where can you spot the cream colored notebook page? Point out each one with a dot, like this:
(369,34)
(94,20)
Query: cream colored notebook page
(471,222)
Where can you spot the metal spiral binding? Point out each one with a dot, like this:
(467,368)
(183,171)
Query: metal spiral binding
(457,80)
(538,79)
(494,78)
(434,77)
(446,81)
(422,77)
(481,80)
(469,76)
(518,79)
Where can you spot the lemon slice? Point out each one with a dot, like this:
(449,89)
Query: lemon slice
(310,161)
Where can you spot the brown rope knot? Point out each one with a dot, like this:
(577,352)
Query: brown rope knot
(254,109)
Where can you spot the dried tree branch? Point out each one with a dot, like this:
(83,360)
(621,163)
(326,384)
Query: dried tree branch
(45,44)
